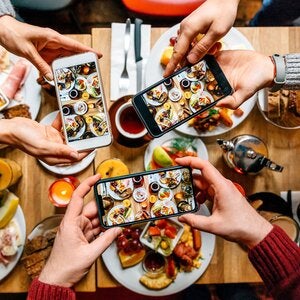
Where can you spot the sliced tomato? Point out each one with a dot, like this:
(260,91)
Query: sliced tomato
(154,230)
(161,223)
(170,231)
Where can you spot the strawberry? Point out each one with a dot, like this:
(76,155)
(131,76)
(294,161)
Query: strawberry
(153,231)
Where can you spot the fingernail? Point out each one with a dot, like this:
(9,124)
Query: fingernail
(49,76)
(192,58)
(74,155)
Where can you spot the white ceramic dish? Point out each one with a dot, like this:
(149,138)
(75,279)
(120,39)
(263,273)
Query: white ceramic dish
(165,139)
(19,218)
(129,277)
(173,242)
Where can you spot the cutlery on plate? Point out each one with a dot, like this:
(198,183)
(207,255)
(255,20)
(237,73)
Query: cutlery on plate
(137,51)
(124,79)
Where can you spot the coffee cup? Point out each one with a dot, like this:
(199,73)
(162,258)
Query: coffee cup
(128,122)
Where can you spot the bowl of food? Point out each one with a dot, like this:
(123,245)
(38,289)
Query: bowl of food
(162,235)
(281,108)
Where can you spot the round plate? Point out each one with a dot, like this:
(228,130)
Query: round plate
(45,225)
(165,203)
(19,218)
(166,139)
(129,277)
(162,89)
(130,218)
(92,90)
(174,174)
(199,96)
(161,194)
(66,169)
(116,196)
(63,79)
(81,130)
(154,72)
(140,194)
(30,91)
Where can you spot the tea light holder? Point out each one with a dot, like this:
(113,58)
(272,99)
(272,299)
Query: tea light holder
(61,190)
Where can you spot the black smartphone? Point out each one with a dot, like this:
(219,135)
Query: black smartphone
(181,96)
(145,196)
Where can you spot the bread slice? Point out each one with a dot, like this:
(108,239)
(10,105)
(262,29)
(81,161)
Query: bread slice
(131,259)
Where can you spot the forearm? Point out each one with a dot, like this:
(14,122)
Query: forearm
(277,260)
(42,291)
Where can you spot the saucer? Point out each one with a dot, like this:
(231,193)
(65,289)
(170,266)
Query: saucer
(118,137)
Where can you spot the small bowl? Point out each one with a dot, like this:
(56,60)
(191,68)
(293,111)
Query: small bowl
(154,264)
(173,242)
(262,104)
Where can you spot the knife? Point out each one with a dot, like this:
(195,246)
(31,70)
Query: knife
(137,51)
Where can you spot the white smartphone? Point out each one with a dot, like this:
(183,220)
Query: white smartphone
(81,101)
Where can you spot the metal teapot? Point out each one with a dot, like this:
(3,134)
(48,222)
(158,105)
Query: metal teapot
(247,154)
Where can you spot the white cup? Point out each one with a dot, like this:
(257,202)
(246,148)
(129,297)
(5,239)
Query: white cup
(121,110)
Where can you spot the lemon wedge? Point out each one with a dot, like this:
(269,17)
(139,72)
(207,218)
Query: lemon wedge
(8,205)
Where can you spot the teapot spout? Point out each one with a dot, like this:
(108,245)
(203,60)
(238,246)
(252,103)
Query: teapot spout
(271,165)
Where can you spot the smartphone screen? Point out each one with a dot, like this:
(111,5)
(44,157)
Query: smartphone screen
(181,96)
(82,102)
(145,196)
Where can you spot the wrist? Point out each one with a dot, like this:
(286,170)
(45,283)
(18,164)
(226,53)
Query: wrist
(5,20)
(51,275)
(5,132)
(258,232)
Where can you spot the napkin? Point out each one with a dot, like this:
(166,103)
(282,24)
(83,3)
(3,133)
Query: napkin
(295,197)
(117,57)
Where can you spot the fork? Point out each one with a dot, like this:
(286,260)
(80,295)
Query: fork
(124,79)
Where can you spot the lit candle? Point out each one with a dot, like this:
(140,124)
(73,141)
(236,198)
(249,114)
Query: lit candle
(60,192)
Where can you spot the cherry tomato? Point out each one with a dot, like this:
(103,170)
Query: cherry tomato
(173,40)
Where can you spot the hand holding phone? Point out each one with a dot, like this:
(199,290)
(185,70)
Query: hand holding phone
(181,96)
(145,196)
(81,101)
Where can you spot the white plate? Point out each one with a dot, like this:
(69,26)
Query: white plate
(116,196)
(200,146)
(66,169)
(164,203)
(30,91)
(129,277)
(130,218)
(154,72)
(19,218)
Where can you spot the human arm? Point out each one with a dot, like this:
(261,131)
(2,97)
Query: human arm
(249,71)
(214,18)
(44,142)
(271,251)
(39,45)
(246,226)
(76,245)
(277,260)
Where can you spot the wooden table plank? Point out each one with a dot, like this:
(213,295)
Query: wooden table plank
(230,262)
(33,192)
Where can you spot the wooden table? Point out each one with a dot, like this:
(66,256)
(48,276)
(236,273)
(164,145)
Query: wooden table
(32,190)
(230,262)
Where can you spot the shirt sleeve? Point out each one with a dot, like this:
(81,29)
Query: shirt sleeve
(43,291)
(292,69)
(6,8)
(277,260)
